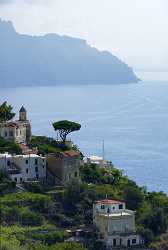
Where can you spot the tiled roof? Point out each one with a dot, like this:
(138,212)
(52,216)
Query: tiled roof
(12,124)
(70,153)
(107,201)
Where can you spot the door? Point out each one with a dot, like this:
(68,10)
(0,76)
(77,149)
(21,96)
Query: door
(114,242)
(128,243)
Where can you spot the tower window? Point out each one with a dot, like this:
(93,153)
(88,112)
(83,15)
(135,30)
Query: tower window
(102,206)
(27,170)
(27,161)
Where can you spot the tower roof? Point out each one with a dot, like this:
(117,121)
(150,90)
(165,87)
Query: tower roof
(22,109)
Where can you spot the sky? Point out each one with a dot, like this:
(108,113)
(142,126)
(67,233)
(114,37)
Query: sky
(133,30)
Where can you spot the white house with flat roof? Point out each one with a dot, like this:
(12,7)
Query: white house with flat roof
(23,168)
(116,224)
(97,160)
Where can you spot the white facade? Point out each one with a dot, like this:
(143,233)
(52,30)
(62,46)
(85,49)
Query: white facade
(23,168)
(5,161)
(98,160)
(115,223)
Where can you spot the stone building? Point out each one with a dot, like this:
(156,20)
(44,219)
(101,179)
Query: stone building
(18,131)
(23,168)
(63,167)
(116,224)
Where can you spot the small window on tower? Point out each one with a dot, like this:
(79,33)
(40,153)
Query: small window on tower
(102,206)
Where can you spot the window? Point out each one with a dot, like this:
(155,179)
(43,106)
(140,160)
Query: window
(20,132)
(8,163)
(27,161)
(108,210)
(16,132)
(37,176)
(6,134)
(120,242)
(102,206)
(20,179)
(36,169)
(76,174)
(15,179)
(27,170)
(121,206)
(36,161)
(133,241)
(10,133)
(113,208)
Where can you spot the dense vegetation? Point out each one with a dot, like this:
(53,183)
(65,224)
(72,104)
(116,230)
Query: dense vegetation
(30,218)
(47,145)
(9,146)
(6,112)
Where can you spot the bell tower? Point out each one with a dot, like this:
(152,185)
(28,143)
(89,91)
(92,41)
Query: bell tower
(22,114)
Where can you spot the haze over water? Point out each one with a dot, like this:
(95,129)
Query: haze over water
(132,119)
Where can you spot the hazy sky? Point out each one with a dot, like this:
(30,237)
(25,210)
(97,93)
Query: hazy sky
(134,30)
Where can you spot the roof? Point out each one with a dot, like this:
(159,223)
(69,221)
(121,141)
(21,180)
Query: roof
(69,153)
(22,109)
(12,124)
(109,201)
(95,158)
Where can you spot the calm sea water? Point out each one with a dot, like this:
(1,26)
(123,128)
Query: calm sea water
(132,120)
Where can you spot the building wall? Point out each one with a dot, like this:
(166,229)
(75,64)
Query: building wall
(13,133)
(5,161)
(109,208)
(32,167)
(65,169)
(71,169)
(123,241)
(111,225)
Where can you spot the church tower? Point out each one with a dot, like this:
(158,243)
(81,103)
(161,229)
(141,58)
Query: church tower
(22,114)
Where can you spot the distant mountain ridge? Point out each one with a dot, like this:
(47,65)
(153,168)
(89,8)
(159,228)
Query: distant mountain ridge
(54,60)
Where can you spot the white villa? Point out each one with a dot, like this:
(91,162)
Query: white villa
(18,131)
(23,168)
(98,160)
(116,224)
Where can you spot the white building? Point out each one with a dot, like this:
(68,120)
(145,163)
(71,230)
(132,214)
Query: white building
(22,168)
(116,224)
(98,160)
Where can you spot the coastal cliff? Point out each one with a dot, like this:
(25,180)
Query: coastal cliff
(56,60)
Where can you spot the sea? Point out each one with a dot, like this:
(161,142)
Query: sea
(131,119)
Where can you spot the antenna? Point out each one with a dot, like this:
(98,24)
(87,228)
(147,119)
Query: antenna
(103,150)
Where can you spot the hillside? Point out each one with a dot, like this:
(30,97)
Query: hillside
(53,60)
